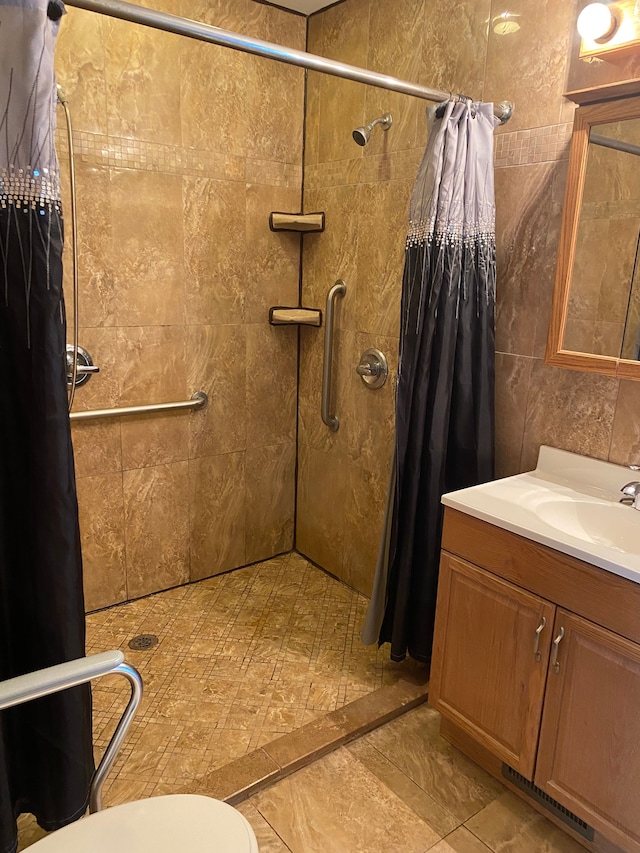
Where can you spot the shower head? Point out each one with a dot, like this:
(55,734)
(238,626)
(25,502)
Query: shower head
(361,134)
(62,97)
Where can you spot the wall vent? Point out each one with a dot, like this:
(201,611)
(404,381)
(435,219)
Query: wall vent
(548,802)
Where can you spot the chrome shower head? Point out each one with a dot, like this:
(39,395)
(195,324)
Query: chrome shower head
(361,134)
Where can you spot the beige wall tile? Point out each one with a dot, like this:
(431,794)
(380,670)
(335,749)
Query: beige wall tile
(217,500)
(365,502)
(625,437)
(333,254)
(528,216)
(95,268)
(270,497)
(80,66)
(322,486)
(103,389)
(156,503)
(217,366)
(97,448)
(147,248)
(100,501)
(151,440)
(273,258)
(383,217)
(369,415)
(454,47)
(396,51)
(342,105)
(214,250)
(220,122)
(528,66)
(513,374)
(570,410)
(275,100)
(272,380)
(152,367)
(143,90)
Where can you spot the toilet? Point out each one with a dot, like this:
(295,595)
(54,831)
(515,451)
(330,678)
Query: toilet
(175,823)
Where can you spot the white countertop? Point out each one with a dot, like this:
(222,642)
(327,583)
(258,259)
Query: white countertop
(569,503)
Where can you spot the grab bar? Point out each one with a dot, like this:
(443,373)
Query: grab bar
(62,676)
(338,289)
(198,401)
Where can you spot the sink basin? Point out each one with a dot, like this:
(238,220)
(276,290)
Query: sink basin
(613,525)
(569,503)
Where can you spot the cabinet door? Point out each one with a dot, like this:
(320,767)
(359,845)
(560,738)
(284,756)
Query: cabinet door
(489,663)
(589,754)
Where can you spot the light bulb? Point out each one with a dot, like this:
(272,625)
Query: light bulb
(597,22)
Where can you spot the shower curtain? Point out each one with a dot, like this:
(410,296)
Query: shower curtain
(444,403)
(46,759)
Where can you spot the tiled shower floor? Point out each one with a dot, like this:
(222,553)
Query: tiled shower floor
(241,658)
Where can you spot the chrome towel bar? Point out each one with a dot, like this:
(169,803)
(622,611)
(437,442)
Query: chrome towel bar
(198,401)
(338,290)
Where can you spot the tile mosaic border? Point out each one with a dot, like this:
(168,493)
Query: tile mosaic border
(101,150)
(536,145)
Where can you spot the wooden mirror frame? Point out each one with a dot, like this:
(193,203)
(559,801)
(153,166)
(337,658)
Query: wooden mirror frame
(585,117)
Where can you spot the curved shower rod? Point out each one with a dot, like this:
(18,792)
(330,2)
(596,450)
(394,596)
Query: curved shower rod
(226,38)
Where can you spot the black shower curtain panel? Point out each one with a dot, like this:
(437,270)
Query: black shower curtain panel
(445,395)
(46,760)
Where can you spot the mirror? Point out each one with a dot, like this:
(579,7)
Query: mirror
(595,322)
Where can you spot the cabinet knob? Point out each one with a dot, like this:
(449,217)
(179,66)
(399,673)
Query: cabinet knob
(554,654)
(536,642)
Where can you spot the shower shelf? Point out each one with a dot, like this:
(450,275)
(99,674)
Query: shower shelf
(303,222)
(281,316)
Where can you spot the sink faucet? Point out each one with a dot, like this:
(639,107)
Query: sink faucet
(631,494)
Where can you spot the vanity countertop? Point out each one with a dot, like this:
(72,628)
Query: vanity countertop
(569,503)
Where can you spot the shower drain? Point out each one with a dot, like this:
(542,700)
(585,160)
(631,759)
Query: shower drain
(143,642)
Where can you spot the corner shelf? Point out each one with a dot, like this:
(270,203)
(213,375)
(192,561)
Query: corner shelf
(301,222)
(281,316)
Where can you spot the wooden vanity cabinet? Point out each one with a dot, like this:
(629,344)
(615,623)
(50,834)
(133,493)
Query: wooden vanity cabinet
(565,715)
(589,752)
(489,664)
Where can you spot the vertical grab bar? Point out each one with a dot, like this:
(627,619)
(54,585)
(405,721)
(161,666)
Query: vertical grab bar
(338,290)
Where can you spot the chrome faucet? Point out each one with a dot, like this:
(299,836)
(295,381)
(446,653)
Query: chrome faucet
(631,494)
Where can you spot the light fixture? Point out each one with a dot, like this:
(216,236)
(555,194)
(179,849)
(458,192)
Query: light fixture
(505,23)
(597,22)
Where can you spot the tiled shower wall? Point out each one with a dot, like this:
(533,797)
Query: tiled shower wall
(182,150)
(365,193)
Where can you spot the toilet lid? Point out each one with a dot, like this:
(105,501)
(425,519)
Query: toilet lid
(177,823)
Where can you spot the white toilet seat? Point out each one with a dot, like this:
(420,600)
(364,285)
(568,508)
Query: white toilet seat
(176,823)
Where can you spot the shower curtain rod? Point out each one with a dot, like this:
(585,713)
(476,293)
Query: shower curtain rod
(205,32)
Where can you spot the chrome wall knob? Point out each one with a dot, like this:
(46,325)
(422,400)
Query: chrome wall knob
(85,369)
(373,368)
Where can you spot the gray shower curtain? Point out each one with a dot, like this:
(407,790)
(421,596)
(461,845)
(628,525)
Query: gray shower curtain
(46,759)
(445,395)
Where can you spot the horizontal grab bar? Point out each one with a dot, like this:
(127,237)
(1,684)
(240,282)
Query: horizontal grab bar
(198,401)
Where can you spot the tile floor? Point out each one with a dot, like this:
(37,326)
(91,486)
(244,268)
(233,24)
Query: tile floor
(246,656)
(399,789)
(242,658)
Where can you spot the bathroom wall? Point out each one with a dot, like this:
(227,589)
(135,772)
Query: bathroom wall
(365,193)
(182,150)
